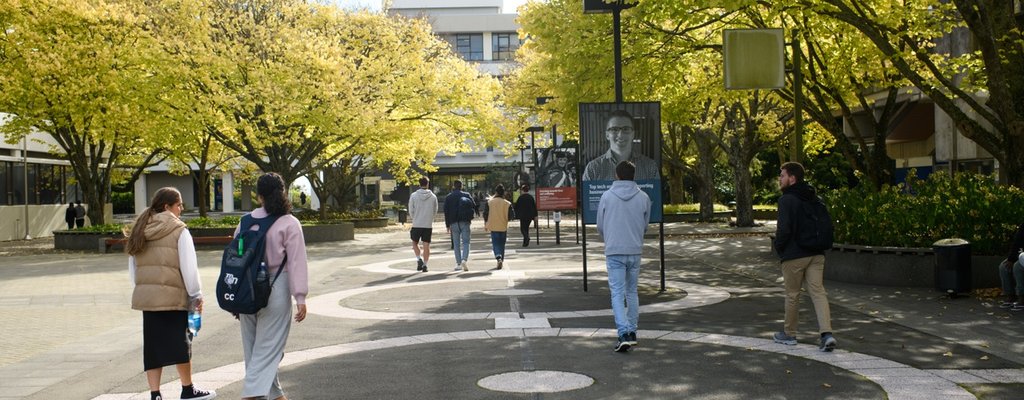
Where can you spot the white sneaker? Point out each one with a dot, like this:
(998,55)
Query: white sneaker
(464,267)
(458,267)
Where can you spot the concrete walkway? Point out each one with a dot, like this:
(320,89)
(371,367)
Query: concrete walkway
(379,329)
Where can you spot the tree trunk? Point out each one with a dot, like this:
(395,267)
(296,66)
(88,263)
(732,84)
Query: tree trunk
(744,191)
(705,175)
(202,179)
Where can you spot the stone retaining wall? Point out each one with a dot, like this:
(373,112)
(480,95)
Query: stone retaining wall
(93,241)
(896,266)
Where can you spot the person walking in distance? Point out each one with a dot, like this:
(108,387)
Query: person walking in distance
(497,213)
(265,333)
(526,212)
(422,207)
(69,216)
(1011,274)
(800,266)
(459,209)
(163,269)
(79,215)
(622,216)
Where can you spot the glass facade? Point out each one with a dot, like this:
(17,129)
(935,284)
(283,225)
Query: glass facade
(470,46)
(47,184)
(504,45)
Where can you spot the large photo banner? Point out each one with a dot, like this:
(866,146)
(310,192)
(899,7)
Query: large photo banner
(610,133)
(556,179)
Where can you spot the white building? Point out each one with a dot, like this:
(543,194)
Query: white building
(481,32)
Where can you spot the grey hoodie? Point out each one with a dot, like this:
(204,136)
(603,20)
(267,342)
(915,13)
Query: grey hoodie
(622,217)
(422,207)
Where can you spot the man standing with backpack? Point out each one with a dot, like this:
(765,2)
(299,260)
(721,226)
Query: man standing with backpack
(459,209)
(802,233)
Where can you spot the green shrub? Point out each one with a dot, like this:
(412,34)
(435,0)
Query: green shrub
(104,228)
(690,208)
(313,216)
(916,214)
(229,221)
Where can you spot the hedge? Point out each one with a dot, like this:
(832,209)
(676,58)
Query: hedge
(919,212)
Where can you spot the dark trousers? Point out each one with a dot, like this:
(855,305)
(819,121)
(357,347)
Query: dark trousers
(71,224)
(524,228)
(79,222)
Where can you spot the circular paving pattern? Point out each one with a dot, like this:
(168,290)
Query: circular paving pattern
(535,382)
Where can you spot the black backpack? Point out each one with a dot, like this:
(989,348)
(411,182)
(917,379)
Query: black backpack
(466,209)
(814,226)
(239,289)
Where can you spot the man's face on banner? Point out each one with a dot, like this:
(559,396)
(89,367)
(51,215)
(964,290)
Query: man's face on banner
(619,133)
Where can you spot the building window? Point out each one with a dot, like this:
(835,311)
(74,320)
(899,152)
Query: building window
(49,181)
(470,46)
(5,176)
(505,45)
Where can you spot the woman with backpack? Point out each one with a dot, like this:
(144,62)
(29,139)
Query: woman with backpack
(162,266)
(285,248)
(497,213)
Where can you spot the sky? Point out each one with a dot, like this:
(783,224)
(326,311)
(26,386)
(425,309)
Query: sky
(509,7)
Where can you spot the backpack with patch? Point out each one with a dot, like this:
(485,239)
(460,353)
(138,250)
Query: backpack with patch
(814,226)
(466,209)
(243,286)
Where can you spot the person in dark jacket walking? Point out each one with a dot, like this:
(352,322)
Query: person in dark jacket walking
(800,266)
(526,211)
(457,220)
(1011,274)
(69,216)
(79,215)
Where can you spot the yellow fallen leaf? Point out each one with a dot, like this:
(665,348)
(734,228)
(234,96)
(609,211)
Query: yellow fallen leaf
(947,354)
(985,345)
(826,385)
(984,357)
(789,372)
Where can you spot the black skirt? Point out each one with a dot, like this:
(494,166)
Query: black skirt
(165,339)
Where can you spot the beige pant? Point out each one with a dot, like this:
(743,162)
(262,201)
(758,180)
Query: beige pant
(809,271)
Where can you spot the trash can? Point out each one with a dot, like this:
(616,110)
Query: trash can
(403,215)
(952,266)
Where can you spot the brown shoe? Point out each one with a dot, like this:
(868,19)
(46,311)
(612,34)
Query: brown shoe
(499,264)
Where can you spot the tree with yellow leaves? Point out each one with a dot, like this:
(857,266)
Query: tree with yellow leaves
(86,73)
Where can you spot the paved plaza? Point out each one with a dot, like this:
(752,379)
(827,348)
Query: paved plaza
(378,329)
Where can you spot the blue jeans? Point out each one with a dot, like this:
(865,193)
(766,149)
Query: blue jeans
(1013,281)
(498,244)
(460,238)
(623,273)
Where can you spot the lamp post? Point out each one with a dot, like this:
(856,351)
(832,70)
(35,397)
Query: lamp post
(533,142)
(24,158)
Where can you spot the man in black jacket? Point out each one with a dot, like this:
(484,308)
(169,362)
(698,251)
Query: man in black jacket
(458,214)
(799,265)
(526,211)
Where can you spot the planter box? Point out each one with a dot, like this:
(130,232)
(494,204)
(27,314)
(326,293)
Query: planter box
(76,240)
(329,232)
(207,232)
(95,241)
(369,222)
(896,266)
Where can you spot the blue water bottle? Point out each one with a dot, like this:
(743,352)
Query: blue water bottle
(195,321)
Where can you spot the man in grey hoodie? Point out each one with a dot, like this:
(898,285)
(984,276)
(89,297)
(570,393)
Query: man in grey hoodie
(422,207)
(622,216)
